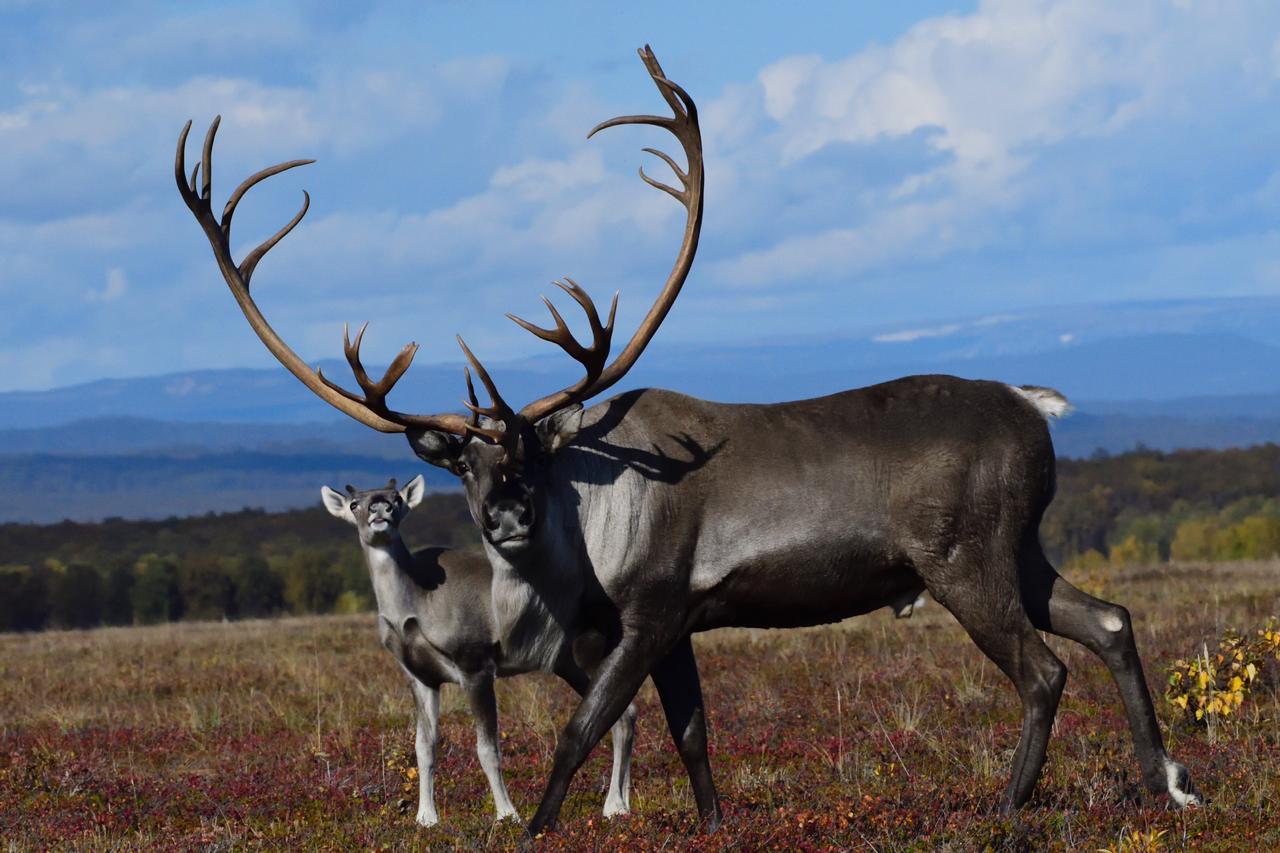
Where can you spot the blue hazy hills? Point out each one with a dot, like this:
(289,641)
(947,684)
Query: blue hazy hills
(1199,373)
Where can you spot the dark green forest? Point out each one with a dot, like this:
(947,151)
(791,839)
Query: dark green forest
(1141,507)
(1150,506)
(224,566)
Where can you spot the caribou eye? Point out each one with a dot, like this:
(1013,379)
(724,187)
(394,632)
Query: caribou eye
(461,468)
(353,506)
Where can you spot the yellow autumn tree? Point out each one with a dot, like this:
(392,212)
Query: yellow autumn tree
(1132,551)
(1195,539)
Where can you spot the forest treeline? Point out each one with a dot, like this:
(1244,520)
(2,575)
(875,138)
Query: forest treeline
(1148,506)
(1145,506)
(225,566)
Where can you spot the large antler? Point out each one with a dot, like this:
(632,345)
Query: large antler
(683,124)
(370,409)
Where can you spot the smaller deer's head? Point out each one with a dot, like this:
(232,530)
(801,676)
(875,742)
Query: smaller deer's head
(375,513)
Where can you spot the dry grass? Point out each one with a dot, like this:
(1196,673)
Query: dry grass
(875,733)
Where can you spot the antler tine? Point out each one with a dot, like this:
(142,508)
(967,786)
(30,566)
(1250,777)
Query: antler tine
(473,423)
(180,163)
(581,296)
(683,125)
(206,158)
(560,334)
(592,357)
(375,393)
(248,183)
(498,410)
(250,262)
(352,352)
(472,403)
(370,410)
(509,436)
(670,91)
(671,163)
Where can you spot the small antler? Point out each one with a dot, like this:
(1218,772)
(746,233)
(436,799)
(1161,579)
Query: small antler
(371,409)
(498,410)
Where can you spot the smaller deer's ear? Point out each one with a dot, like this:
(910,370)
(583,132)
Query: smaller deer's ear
(559,428)
(413,491)
(434,447)
(336,503)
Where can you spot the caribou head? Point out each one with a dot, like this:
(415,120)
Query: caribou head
(496,452)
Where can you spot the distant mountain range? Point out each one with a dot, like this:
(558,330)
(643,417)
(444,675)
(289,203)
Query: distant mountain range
(1133,351)
(1166,375)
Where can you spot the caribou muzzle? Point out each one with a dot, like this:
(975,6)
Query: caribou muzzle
(508,516)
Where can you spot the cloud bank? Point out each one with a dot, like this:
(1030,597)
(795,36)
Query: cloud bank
(982,161)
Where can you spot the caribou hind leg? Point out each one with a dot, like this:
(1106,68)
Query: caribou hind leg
(1004,634)
(1105,629)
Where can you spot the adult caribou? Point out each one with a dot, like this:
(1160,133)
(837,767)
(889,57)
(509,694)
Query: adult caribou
(653,515)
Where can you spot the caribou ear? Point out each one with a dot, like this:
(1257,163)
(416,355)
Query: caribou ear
(434,447)
(412,492)
(559,428)
(336,503)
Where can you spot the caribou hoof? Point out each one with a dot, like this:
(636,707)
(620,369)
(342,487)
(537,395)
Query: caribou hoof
(427,819)
(1182,792)
(614,807)
(510,814)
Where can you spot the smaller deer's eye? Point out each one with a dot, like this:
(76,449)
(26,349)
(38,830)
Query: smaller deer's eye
(462,468)
(353,506)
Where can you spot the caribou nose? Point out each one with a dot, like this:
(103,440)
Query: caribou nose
(511,509)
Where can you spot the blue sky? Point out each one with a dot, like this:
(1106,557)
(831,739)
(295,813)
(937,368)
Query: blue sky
(868,168)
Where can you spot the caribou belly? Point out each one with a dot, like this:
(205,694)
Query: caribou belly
(796,578)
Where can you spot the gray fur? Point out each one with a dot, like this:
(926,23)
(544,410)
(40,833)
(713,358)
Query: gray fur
(436,616)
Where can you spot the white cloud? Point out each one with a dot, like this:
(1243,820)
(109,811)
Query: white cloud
(186,386)
(908,335)
(114,288)
(991,92)
(998,319)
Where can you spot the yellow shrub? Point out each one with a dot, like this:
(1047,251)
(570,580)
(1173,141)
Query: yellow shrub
(1214,685)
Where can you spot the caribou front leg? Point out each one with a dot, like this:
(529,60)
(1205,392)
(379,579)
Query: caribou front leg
(575,674)
(484,709)
(427,700)
(611,691)
(676,677)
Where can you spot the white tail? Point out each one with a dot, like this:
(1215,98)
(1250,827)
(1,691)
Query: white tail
(1048,402)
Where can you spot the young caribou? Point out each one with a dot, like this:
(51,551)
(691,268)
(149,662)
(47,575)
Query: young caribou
(435,616)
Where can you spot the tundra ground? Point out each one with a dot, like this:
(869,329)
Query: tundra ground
(875,734)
